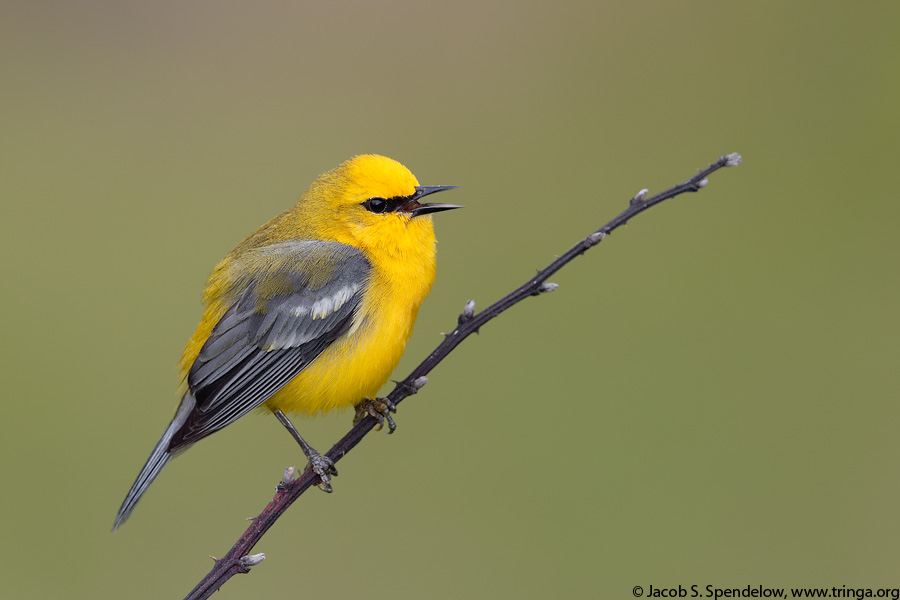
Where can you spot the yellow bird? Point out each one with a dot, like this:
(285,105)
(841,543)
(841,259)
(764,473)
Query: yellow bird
(310,313)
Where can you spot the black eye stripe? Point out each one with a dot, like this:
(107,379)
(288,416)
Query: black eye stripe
(386,205)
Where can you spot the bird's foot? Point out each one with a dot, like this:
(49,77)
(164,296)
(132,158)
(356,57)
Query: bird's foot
(324,468)
(380,409)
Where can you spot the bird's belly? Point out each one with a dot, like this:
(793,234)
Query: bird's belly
(354,367)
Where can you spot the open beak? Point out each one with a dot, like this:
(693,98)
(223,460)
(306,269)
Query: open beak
(415,208)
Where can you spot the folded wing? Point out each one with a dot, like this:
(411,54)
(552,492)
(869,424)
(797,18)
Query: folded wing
(293,300)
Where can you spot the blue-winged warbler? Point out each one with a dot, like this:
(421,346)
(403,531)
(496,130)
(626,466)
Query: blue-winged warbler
(310,313)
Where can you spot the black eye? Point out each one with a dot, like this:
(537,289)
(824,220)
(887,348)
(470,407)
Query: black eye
(375,205)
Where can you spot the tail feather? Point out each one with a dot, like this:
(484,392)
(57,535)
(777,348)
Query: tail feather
(159,458)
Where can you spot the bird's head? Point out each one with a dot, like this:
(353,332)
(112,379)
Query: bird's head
(375,201)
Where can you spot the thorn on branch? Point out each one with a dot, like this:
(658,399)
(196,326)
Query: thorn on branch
(639,197)
(595,238)
(286,478)
(467,313)
(251,560)
(411,387)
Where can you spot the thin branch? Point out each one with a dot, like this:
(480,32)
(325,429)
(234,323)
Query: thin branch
(238,560)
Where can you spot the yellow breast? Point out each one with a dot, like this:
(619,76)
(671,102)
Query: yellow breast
(359,363)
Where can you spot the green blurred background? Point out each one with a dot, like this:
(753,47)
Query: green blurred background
(709,398)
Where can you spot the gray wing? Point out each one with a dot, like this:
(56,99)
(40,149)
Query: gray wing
(295,299)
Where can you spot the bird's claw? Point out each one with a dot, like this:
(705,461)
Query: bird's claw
(325,469)
(379,409)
